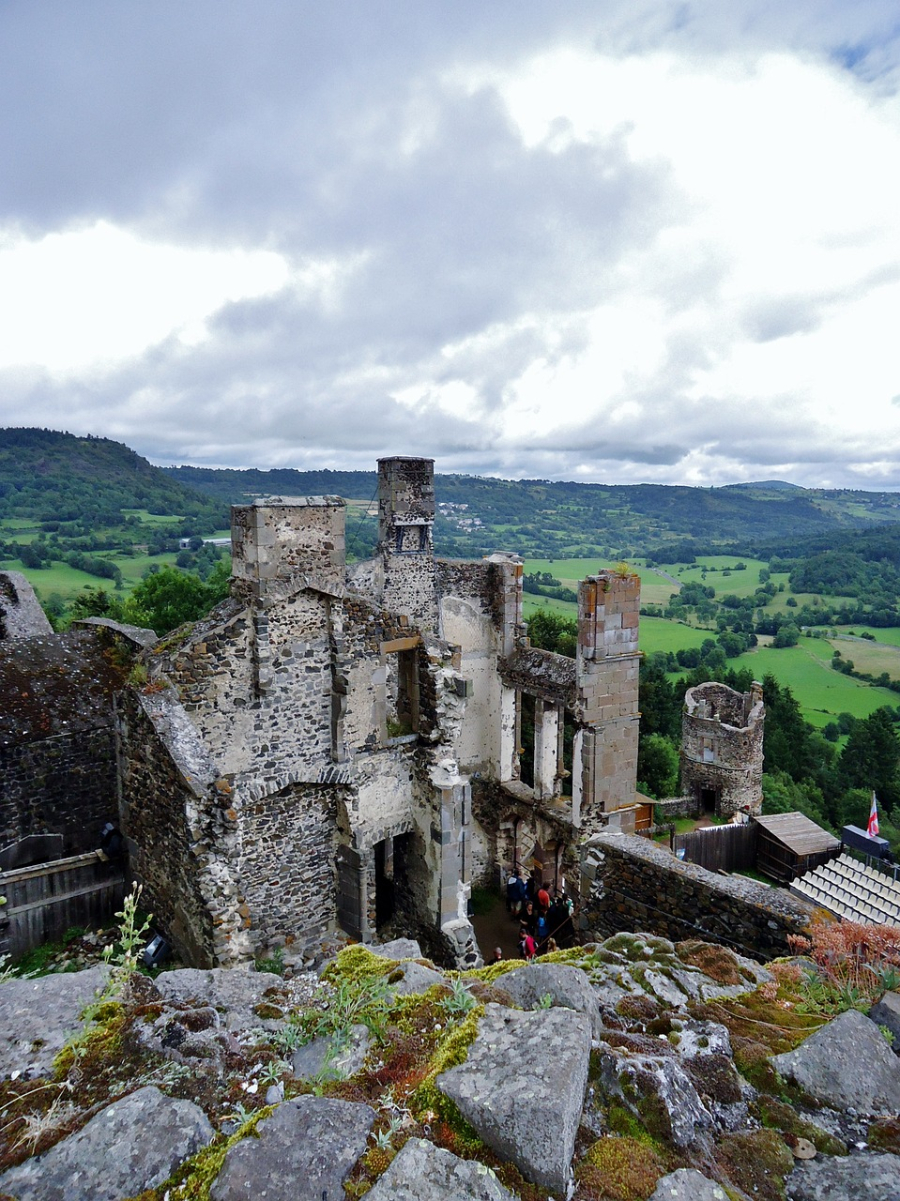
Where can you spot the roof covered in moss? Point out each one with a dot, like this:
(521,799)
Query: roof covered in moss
(55,684)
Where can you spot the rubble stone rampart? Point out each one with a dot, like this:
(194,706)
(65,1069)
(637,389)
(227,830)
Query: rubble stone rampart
(630,884)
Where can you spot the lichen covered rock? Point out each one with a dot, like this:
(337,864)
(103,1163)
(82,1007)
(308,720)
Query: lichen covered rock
(522,1088)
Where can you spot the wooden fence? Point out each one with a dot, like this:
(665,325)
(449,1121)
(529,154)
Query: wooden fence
(44,901)
(719,848)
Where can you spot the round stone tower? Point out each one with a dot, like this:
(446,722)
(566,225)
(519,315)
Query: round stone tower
(722,748)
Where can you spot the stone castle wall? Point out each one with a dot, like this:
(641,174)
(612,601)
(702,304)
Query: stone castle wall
(287,868)
(277,540)
(162,812)
(57,735)
(630,884)
(607,671)
(65,784)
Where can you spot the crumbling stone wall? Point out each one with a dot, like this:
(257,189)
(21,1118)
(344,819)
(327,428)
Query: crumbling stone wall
(182,831)
(61,785)
(511,827)
(607,667)
(406,538)
(278,540)
(21,615)
(628,883)
(722,748)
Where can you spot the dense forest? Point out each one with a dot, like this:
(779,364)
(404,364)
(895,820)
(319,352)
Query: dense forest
(87,483)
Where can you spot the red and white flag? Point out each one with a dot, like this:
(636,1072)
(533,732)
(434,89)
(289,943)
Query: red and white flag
(872,828)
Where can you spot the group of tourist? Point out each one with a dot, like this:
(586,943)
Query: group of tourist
(544,916)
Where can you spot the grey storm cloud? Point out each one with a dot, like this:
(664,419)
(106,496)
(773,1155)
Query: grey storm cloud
(342,132)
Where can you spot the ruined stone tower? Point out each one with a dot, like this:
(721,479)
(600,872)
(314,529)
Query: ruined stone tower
(607,669)
(406,538)
(722,748)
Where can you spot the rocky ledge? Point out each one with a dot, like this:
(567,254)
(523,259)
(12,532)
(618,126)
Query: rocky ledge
(626,1070)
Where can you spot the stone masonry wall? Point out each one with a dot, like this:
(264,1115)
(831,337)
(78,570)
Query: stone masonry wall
(64,784)
(57,740)
(288,866)
(254,678)
(278,539)
(406,538)
(630,884)
(607,669)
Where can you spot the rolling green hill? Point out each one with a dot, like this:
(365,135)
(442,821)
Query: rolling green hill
(552,520)
(48,476)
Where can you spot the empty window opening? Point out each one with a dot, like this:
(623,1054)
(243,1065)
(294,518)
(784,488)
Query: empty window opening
(411,539)
(402,693)
(526,743)
(567,758)
(384,882)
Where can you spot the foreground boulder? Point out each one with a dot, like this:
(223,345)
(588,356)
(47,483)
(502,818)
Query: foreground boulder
(887,1013)
(414,978)
(235,993)
(866,1177)
(847,1065)
(397,948)
(132,1145)
(337,1058)
(687,1184)
(424,1172)
(522,1088)
(37,1017)
(658,1091)
(567,986)
(305,1150)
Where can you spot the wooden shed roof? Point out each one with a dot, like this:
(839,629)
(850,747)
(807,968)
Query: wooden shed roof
(798,833)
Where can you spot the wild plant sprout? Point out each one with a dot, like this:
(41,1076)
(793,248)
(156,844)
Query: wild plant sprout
(122,956)
(273,1071)
(460,1001)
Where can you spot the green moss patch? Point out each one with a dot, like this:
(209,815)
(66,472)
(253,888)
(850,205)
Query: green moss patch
(778,1115)
(618,1169)
(194,1178)
(884,1135)
(757,1162)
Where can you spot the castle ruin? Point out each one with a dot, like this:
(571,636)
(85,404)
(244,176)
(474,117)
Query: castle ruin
(350,747)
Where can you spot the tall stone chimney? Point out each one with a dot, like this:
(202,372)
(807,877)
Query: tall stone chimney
(406,538)
(278,540)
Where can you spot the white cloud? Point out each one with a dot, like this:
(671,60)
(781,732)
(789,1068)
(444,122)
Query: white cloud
(94,296)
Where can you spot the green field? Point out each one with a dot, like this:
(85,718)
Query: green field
(888,637)
(655,589)
(821,691)
(68,581)
(806,669)
(147,518)
(868,656)
(530,604)
(658,634)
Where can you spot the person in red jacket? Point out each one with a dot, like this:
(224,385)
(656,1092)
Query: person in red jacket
(527,946)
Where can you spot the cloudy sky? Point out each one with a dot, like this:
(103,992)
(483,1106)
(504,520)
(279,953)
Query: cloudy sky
(612,240)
